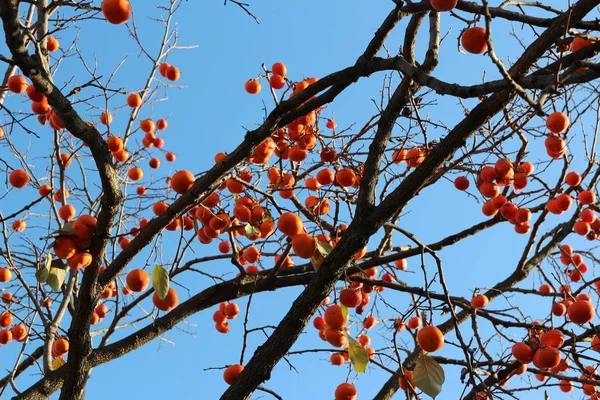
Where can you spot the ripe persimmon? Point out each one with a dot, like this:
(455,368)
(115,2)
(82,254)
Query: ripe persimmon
(5,274)
(443,5)
(522,352)
(337,359)
(351,298)
(479,301)
(344,177)
(6,319)
(553,338)
(116,11)
(64,247)
(66,212)
(114,143)
(134,100)
(168,303)
(135,174)
(430,338)
(84,226)
(461,183)
(346,391)
(304,245)
(587,197)
(19,333)
(335,337)
(279,69)
(17,84)
(415,157)
(18,178)
(277,81)
(334,317)
(79,260)
(290,224)
(325,176)
(557,122)
(252,86)
(232,310)
(138,280)
(473,40)
(581,312)
(19,225)
(182,180)
(232,372)
(573,178)
(60,347)
(546,357)
(5,336)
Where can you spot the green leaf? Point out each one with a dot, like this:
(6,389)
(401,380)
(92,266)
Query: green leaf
(250,230)
(358,354)
(324,248)
(43,269)
(160,281)
(56,275)
(428,375)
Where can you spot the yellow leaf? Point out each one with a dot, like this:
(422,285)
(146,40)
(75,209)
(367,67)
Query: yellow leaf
(316,260)
(57,363)
(358,354)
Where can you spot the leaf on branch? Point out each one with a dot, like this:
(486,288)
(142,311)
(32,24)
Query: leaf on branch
(66,230)
(56,274)
(234,228)
(344,311)
(160,281)
(57,363)
(323,249)
(428,375)
(316,260)
(250,230)
(43,269)
(358,354)
(268,217)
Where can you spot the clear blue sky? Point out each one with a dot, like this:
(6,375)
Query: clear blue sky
(313,38)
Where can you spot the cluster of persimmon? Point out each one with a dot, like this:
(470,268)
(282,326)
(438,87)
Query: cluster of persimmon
(489,182)
(543,345)
(225,312)
(10,331)
(39,103)
(413,157)
(73,247)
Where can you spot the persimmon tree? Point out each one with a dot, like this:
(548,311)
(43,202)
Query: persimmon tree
(97,252)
